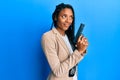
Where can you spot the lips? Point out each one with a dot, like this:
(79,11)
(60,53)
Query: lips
(66,25)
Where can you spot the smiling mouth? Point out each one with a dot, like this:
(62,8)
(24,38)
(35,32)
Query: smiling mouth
(66,25)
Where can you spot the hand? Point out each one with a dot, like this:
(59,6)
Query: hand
(82,44)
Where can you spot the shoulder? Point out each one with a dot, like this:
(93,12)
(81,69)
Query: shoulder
(48,39)
(49,35)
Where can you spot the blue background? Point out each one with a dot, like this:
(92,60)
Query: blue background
(22,23)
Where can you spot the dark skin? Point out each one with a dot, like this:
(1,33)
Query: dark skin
(82,44)
(64,21)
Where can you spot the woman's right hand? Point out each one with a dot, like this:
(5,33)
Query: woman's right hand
(82,44)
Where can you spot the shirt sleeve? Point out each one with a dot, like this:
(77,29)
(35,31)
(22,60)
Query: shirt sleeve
(58,68)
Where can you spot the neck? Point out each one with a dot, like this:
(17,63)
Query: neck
(62,32)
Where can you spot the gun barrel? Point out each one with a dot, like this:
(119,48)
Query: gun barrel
(79,32)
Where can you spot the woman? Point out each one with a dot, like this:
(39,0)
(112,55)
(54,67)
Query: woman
(58,45)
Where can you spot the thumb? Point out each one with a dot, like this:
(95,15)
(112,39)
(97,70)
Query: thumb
(80,38)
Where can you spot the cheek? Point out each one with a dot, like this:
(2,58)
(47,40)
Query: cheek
(71,21)
(60,22)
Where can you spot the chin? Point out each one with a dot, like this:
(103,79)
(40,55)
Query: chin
(66,28)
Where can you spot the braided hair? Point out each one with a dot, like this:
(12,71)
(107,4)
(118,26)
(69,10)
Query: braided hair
(70,31)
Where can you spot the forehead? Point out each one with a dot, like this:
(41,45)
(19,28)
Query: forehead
(66,11)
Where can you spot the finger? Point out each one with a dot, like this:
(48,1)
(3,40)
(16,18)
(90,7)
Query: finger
(83,43)
(83,39)
(80,37)
(86,43)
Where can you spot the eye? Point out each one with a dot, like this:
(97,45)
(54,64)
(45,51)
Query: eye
(64,16)
(71,17)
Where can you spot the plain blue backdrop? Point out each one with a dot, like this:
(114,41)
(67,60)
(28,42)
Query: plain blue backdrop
(22,23)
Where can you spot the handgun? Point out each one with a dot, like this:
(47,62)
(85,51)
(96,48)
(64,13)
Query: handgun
(79,32)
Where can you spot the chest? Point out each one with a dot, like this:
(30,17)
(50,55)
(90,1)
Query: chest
(62,49)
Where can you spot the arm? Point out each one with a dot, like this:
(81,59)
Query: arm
(58,68)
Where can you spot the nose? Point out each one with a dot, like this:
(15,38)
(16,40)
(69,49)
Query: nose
(69,20)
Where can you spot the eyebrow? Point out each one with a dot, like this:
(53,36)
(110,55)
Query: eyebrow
(66,14)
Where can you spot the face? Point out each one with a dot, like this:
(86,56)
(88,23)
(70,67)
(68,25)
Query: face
(65,19)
